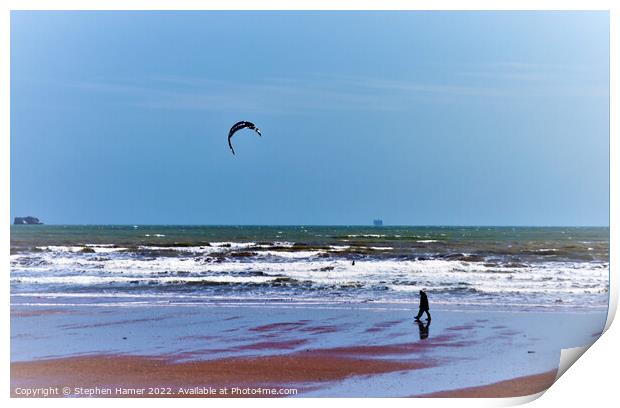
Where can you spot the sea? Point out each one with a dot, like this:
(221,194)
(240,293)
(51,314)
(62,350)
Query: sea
(460,268)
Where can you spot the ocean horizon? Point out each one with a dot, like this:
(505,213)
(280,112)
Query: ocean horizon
(325,225)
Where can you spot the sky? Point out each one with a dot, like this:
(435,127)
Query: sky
(417,118)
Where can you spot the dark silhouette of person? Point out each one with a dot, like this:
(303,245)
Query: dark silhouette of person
(423,329)
(423,306)
(353,263)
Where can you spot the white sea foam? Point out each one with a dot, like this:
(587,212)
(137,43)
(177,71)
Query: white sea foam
(284,244)
(233,245)
(371,278)
(290,255)
(97,248)
(60,248)
(189,249)
(90,280)
(339,247)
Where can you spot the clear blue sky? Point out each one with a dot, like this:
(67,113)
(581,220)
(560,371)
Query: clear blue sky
(450,118)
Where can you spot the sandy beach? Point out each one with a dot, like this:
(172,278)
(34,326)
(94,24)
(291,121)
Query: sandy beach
(516,387)
(274,351)
(118,376)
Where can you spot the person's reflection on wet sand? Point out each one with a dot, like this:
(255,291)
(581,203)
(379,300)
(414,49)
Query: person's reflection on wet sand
(423,328)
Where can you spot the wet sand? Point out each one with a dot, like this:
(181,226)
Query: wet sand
(330,351)
(291,371)
(517,387)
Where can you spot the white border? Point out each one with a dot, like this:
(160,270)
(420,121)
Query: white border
(590,382)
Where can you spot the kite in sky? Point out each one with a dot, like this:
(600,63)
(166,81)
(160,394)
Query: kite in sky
(238,126)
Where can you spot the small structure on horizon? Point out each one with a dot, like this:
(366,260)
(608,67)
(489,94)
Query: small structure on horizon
(377,223)
(26,221)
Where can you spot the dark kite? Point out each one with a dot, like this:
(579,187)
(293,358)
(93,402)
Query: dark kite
(238,126)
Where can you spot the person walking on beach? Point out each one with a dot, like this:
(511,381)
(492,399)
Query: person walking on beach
(423,306)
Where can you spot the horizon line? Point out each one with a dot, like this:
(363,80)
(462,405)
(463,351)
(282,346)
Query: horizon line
(325,225)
